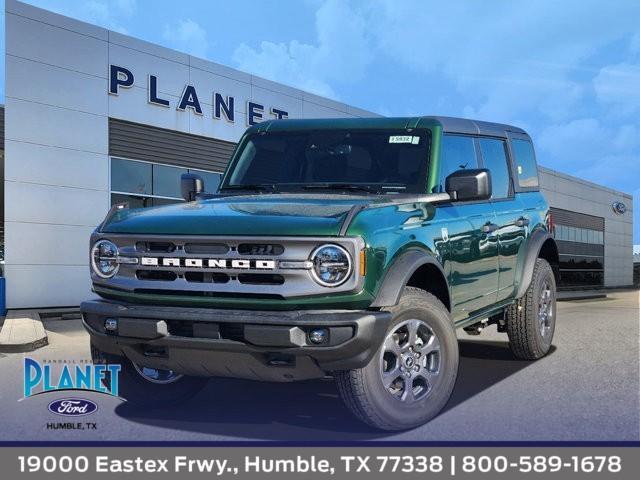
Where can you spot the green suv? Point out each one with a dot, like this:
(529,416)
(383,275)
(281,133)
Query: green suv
(346,247)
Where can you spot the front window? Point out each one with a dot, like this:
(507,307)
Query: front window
(391,161)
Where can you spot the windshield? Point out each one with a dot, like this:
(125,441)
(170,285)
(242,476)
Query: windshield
(389,161)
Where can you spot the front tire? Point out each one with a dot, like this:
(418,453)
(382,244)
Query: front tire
(411,377)
(531,320)
(148,388)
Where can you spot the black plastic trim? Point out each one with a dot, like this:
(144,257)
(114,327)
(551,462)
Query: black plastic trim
(534,245)
(399,274)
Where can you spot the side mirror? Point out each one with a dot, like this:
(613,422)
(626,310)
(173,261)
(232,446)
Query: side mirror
(191,185)
(472,184)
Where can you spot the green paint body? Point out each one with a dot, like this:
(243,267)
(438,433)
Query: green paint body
(481,269)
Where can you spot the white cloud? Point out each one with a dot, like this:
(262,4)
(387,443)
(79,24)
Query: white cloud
(619,85)
(341,53)
(506,58)
(187,36)
(109,14)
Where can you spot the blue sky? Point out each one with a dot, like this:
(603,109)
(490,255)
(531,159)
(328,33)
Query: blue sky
(567,71)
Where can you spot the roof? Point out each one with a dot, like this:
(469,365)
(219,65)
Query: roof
(448,124)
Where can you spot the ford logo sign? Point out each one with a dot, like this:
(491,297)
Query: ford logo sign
(73,407)
(619,208)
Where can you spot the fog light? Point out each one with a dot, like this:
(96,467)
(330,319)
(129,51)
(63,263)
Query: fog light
(318,335)
(111,324)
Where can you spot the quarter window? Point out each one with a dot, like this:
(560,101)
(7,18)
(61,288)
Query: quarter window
(495,159)
(525,161)
(457,152)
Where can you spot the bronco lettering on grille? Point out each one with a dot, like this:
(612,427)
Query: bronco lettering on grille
(220,263)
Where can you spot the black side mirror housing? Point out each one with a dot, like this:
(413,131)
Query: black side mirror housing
(465,185)
(191,185)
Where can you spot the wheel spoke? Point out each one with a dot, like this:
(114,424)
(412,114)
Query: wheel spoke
(433,345)
(407,395)
(413,326)
(391,345)
(389,377)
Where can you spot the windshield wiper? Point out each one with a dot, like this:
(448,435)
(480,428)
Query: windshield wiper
(342,186)
(257,186)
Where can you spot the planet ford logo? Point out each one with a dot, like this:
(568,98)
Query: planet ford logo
(619,208)
(73,407)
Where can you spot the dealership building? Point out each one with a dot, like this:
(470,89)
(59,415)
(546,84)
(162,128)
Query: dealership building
(93,117)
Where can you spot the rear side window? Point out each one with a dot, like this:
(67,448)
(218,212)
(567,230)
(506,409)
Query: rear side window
(525,163)
(495,159)
(457,152)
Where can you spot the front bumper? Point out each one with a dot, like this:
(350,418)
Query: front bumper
(259,345)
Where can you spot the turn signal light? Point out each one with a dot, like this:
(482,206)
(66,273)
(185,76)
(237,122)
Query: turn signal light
(363,263)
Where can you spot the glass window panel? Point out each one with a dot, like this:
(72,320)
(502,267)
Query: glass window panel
(211,180)
(456,152)
(495,159)
(526,169)
(130,176)
(166,180)
(133,200)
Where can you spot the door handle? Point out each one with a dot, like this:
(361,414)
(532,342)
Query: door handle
(522,222)
(489,227)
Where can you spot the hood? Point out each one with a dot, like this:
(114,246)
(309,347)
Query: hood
(282,215)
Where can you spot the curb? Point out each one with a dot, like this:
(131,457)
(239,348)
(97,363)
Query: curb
(22,331)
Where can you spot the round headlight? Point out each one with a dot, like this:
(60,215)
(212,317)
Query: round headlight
(104,259)
(332,265)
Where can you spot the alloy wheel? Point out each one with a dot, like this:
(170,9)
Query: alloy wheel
(411,361)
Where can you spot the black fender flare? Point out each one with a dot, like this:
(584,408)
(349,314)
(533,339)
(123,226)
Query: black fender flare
(534,245)
(399,273)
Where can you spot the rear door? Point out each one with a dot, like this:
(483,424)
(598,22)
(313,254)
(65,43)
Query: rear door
(472,244)
(510,218)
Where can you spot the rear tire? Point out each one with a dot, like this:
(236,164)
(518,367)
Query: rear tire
(147,392)
(531,320)
(411,377)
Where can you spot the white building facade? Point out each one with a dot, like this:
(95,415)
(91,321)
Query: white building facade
(93,117)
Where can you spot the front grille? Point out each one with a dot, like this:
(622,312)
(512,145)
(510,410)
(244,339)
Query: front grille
(260,249)
(260,279)
(223,267)
(206,277)
(155,247)
(206,248)
(157,275)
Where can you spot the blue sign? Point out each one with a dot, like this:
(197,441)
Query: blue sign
(73,407)
(39,378)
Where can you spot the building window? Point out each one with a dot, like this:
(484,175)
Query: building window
(145,184)
(581,256)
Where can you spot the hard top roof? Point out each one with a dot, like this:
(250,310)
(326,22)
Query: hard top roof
(448,124)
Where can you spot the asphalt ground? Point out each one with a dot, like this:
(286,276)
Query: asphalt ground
(587,388)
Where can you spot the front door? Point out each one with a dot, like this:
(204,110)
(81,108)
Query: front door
(512,223)
(471,235)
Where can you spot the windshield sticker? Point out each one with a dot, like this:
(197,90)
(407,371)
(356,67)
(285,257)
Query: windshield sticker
(404,139)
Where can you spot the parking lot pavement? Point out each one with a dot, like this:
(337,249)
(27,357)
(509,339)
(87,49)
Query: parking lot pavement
(587,388)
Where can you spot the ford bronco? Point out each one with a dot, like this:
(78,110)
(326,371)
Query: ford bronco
(350,248)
